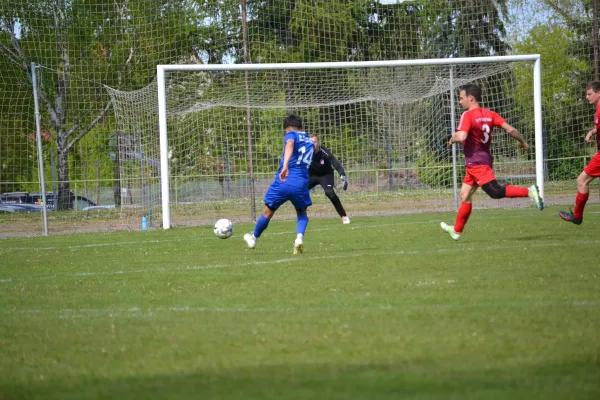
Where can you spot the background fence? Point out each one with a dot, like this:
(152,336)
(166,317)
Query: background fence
(85,48)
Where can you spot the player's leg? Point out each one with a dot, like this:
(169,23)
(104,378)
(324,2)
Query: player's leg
(466,206)
(464,211)
(497,191)
(313,181)
(533,192)
(485,178)
(583,193)
(261,224)
(591,171)
(301,201)
(263,220)
(327,184)
(468,188)
(301,225)
(274,198)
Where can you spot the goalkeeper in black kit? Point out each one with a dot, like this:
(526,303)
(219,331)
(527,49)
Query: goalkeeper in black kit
(321,173)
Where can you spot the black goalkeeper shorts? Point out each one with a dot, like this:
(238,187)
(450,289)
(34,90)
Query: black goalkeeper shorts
(326,182)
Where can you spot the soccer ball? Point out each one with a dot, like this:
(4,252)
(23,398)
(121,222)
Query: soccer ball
(223,228)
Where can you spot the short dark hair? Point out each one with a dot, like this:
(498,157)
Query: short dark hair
(292,120)
(472,89)
(594,85)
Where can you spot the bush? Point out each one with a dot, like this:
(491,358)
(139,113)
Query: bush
(435,174)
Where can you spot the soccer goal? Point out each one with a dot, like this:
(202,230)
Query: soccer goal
(217,141)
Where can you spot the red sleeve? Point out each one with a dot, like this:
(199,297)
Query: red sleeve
(465,123)
(597,120)
(497,120)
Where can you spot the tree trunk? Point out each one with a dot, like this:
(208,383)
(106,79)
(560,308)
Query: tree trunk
(117,182)
(64,186)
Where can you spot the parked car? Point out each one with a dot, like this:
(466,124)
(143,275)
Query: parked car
(18,207)
(76,201)
(16,198)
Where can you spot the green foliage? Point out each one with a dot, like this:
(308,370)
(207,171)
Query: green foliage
(215,30)
(80,46)
(453,29)
(325,30)
(17,131)
(564,74)
(561,170)
(433,173)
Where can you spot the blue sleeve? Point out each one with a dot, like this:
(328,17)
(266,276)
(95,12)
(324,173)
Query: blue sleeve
(288,136)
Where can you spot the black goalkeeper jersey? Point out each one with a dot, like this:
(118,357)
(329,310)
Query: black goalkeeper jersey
(322,162)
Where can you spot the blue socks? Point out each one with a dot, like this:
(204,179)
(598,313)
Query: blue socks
(261,225)
(263,222)
(301,224)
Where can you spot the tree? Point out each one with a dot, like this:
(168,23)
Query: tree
(17,129)
(573,15)
(564,76)
(464,28)
(81,45)
(331,30)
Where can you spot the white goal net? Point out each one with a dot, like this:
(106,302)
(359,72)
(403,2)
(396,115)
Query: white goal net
(387,124)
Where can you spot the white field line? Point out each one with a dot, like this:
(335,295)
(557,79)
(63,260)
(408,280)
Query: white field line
(353,226)
(142,242)
(138,312)
(455,249)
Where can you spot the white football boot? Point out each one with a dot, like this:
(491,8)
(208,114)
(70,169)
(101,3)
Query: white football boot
(298,245)
(450,229)
(250,240)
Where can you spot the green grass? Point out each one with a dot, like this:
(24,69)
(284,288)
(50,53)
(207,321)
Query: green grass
(383,308)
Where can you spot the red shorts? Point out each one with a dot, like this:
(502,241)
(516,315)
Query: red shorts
(479,175)
(593,167)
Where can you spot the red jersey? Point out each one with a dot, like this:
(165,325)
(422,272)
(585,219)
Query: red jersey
(597,125)
(479,124)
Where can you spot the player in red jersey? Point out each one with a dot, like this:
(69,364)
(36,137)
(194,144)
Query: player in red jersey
(475,132)
(592,170)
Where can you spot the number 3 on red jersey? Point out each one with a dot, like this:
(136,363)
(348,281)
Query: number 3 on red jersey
(485,128)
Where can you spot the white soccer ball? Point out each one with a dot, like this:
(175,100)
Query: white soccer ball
(223,228)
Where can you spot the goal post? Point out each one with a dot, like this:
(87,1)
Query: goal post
(321,98)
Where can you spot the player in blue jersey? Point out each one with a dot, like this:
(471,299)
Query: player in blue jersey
(290,183)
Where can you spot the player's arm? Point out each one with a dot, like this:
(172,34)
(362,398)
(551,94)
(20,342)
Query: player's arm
(333,161)
(337,165)
(464,126)
(287,154)
(515,135)
(458,137)
(590,134)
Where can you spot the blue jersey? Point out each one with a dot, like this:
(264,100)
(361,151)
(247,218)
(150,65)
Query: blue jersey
(300,160)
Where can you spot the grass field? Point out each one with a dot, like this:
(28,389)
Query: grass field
(383,308)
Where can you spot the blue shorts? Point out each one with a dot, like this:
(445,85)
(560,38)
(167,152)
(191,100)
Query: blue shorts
(280,192)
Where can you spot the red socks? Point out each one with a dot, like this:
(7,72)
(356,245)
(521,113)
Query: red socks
(516,191)
(462,217)
(580,201)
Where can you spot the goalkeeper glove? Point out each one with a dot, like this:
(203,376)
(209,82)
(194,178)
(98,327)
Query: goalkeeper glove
(345,180)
